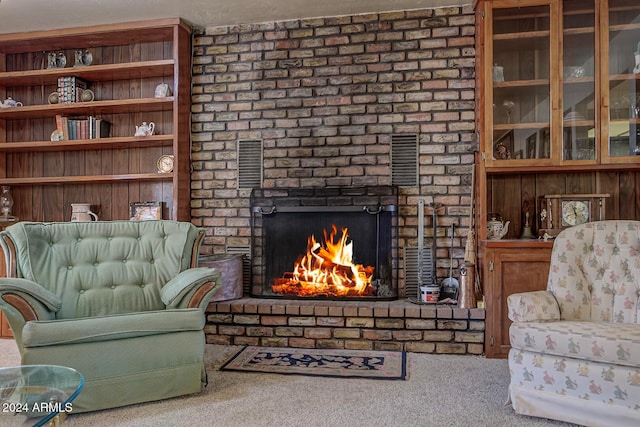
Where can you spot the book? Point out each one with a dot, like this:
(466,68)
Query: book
(70,89)
(89,127)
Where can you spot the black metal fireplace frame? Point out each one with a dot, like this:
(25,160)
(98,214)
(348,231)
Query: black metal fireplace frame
(374,201)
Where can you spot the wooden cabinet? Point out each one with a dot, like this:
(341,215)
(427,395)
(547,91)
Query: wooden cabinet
(558,86)
(510,268)
(128,61)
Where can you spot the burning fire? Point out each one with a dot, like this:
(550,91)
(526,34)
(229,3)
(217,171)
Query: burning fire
(327,270)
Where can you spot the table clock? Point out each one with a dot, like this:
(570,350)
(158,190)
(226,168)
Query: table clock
(559,211)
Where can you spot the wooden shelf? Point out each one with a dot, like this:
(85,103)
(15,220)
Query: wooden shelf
(513,126)
(624,27)
(578,123)
(521,36)
(521,83)
(129,60)
(88,144)
(91,36)
(91,73)
(88,108)
(86,179)
(578,31)
(618,77)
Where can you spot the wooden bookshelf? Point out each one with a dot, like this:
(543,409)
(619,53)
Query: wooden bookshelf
(129,61)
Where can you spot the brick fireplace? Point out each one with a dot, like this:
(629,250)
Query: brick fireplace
(323,98)
(354,236)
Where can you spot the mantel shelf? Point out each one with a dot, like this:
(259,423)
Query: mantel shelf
(86,179)
(88,108)
(88,144)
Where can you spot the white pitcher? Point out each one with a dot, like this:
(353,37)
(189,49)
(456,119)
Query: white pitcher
(81,212)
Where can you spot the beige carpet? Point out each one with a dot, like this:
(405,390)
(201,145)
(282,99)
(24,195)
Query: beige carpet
(442,391)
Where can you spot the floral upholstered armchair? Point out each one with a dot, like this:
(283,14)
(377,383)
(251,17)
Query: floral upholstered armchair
(122,302)
(575,348)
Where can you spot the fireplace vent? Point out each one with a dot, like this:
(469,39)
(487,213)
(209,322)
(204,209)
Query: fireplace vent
(411,269)
(404,160)
(249,163)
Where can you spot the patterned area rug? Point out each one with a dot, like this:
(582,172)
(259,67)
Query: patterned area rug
(382,365)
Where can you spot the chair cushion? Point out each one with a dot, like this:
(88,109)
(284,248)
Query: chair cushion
(105,328)
(617,343)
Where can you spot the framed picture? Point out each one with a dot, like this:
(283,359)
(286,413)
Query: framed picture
(146,211)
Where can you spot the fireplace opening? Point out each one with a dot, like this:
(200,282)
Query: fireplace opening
(324,243)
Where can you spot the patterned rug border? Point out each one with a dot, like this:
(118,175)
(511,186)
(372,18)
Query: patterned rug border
(248,360)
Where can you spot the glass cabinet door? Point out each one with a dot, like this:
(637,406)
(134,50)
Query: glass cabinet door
(578,80)
(519,99)
(624,81)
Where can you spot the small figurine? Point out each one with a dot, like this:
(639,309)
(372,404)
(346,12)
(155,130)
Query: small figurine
(61,60)
(78,56)
(503,152)
(51,60)
(636,55)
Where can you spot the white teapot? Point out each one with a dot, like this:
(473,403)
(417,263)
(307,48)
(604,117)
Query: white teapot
(9,103)
(496,228)
(145,129)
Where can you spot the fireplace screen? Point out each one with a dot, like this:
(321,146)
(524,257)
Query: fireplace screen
(324,243)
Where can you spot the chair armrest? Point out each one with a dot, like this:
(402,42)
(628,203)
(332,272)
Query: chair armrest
(533,306)
(191,288)
(22,301)
(32,291)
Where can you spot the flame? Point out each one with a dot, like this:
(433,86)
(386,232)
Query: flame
(326,270)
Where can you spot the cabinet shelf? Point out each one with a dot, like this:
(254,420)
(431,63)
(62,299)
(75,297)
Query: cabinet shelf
(578,80)
(522,35)
(88,144)
(578,123)
(86,179)
(623,27)
(89,108)
(521,83)
(513,126)
(624,77)
(578,31)
(91,73)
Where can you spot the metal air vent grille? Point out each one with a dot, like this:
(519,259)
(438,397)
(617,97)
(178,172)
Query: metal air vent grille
(404,160)
(249,163)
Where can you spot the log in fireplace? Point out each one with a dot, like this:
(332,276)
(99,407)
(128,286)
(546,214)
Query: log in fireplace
(324,243)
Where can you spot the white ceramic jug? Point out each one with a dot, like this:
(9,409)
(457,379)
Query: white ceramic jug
(81,212)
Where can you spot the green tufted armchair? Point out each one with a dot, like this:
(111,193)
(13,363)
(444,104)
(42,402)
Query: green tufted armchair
(121,301)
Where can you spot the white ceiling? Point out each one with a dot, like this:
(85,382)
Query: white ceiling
(32,15)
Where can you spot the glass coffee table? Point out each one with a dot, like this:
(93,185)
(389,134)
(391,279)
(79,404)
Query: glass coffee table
(37,395)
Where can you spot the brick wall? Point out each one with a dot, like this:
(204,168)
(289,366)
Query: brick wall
(325,95)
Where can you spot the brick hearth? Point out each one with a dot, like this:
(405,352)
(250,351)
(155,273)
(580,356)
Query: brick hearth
(382,325)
